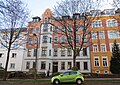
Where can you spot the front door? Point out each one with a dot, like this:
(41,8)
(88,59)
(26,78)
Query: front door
(55,67)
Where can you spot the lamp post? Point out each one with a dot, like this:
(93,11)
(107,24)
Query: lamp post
(36,48)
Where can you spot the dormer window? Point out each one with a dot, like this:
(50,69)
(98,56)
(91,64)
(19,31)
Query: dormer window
(109,12)
(36,19)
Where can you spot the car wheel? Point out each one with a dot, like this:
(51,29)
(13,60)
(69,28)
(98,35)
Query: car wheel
(56,82)
(79,81)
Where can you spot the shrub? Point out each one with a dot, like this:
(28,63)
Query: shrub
(74,68)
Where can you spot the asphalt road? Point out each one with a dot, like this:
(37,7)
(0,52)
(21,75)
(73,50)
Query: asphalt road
(47,83)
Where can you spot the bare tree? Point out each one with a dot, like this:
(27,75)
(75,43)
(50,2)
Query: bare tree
(13,15)
(75,19)
(116,3)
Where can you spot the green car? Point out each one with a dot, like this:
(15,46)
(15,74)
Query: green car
(68,77)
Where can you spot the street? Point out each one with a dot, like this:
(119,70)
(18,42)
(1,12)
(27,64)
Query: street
(48,83)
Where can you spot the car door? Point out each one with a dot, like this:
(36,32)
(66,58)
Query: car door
(72,76)
(64,77)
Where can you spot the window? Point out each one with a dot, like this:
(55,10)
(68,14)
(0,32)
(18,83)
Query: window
(15,45)
(37,30)
(66,73)
(96,61)
(43,65)
(44,51)
(69,65)
(113,34)
(62,65)
(45,20)
(1,55)
(85,65)
(49,52)
(78,65)
(44,40)
(45,28)
(29,53)
(109,12)
(56,29)
(14,55)
(31,30)
(73,72)
(77,39)
(5,37)
(55,52)
(112,23)
(62,51)
(101,35)
(27,65)
(12,65)
(49,65)
(106,72)
(69,52)
(97,71)
(94,35)
(76,27)
(70,39)
(0,64)
(103,48)
(34,65)
(69,28)
(35,40)
(63,29)
(96,24)
(84,38)
(30,41)
(95,48)
(35,52)
(84,51)
(55,39)
(63,39)
(50,39)
(104,62)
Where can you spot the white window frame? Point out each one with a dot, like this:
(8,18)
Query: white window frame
(96,23)
(102,48)
(112,23)
(101,36)
(95,49)
(94,35)
(106,61)
(96,61)
(12,65)
(112,34)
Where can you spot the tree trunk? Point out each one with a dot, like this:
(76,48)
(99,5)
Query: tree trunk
(74,61)
(5,72)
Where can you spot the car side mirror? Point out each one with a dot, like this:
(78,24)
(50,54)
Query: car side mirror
(61,75)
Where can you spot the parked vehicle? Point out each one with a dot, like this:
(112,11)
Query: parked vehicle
(68,77)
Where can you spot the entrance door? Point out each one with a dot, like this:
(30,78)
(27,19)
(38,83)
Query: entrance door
(55,67)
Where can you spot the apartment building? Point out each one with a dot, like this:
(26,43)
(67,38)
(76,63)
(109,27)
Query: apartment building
(17,52)
(105,29)
(51,56)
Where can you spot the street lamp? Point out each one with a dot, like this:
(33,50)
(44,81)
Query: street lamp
(35,69)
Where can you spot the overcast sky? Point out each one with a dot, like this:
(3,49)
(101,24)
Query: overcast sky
(37,7)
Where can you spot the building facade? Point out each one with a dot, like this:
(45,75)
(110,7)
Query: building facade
(17,52)
(105,30)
